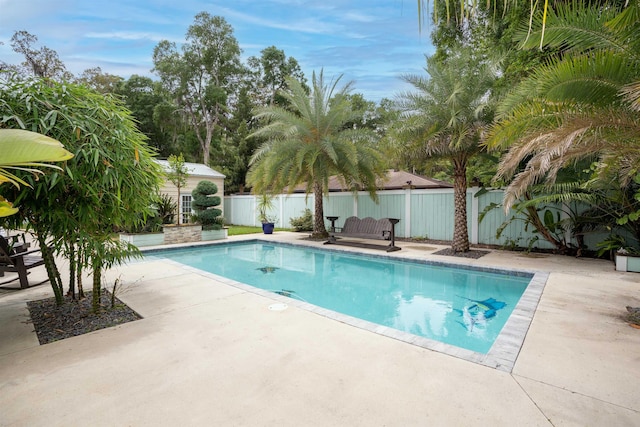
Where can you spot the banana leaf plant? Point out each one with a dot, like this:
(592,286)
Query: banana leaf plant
(24,150)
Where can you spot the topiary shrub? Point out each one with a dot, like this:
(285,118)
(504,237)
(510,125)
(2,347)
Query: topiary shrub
(204,204)
(304,222)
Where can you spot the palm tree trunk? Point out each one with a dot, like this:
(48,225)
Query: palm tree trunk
(460,232)
(319,230)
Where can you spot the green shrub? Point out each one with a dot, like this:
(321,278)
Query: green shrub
(166,209)
(204,204)
(304,222)
(161,212)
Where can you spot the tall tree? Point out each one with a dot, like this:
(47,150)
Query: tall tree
(239,148)
(202,76)
(144,97)
(444,117)
(269,73)
(309,142)
(42,62)
(99,81)
(262,83)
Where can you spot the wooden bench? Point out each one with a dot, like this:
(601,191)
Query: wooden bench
(16,258)
(366,228)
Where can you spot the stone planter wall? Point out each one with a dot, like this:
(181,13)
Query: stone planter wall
(215,234)
(143,239)
(182,233)
(174,234)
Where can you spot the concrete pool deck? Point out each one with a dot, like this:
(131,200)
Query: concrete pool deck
(207,353)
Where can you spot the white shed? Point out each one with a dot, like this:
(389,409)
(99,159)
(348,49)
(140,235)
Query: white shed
(197,172)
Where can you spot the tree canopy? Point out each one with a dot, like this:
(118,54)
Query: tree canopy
(580,105)
(111,179)
(308,142)
(200,78)
(444,118)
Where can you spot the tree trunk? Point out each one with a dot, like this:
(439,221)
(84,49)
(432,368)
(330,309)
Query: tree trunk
(319,230)
(179,206)
(460,232)
(97,289)
(79,281)
(72,271)
(52,269)
(532,213)
(206,147)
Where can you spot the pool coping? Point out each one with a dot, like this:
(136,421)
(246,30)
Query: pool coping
(503,353)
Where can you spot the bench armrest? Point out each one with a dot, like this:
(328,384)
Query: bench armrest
(21,254)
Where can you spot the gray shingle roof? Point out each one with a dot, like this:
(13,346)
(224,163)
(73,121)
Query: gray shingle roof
(195,169)
(395,180)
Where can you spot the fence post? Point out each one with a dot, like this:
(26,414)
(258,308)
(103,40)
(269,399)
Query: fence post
(407,212)
(254,205)
(474,215)
(355,204)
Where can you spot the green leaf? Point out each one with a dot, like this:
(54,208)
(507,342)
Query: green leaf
(22,147)
(481,192)
(6,207)
(549,222)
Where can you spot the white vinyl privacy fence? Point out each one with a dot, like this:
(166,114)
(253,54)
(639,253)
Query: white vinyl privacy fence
(422,213)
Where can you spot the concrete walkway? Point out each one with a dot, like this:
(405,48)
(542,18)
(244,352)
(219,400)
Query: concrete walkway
(207,353)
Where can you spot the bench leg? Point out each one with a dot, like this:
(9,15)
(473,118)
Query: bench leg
(331,240)
(392,246)
(21,269)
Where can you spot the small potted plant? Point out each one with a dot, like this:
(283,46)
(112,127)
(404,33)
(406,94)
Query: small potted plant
(265,204)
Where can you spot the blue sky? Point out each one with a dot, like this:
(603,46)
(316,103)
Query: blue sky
(370,42)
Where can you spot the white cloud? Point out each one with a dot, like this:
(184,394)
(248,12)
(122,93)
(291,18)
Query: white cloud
(126,35)
(369,41)
(360,17)
(308,25)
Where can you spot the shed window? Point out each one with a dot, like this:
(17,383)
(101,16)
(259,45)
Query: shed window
(186,208)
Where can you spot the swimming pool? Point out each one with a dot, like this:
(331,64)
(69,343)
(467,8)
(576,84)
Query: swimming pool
(466,308)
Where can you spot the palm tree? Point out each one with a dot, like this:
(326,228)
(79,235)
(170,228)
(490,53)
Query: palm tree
(444,118)
(581,106)
(308,142)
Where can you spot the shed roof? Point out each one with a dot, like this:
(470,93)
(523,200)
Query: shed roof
(195,169)
(395,180)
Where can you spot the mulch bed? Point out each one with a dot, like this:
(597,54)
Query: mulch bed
(75,317)
(471,253)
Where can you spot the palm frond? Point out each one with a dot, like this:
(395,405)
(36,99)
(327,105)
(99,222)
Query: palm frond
(631,93)
(571,27)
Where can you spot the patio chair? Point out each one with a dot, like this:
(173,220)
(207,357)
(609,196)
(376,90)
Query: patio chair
(15,257)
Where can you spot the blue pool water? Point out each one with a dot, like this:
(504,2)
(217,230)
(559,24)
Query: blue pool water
(462,307)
